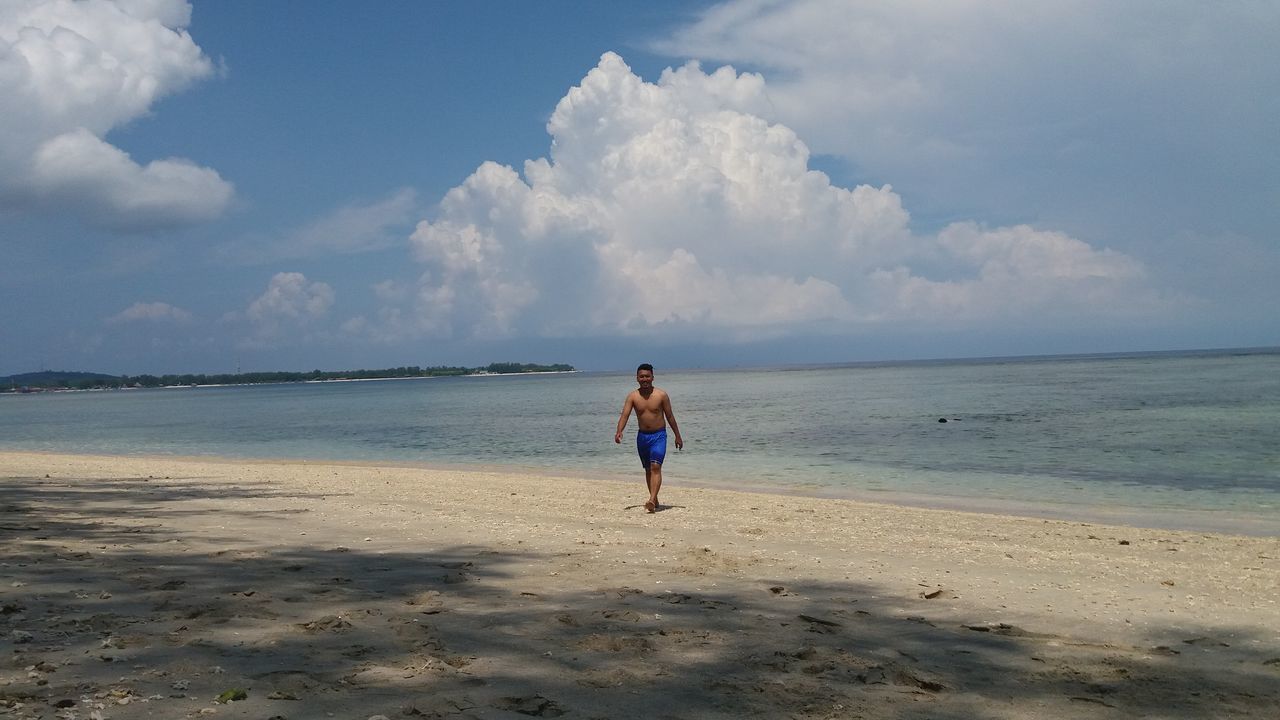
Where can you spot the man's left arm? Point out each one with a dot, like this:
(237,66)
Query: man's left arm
(671,420)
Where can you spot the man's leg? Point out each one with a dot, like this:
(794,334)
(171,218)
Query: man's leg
(653,476)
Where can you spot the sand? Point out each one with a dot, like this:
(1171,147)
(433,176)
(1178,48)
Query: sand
(148,587)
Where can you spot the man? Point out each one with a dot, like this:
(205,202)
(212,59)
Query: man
(652,407)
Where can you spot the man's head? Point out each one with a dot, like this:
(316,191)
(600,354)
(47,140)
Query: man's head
(644,375)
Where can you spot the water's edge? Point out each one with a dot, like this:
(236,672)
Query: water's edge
(1182,520)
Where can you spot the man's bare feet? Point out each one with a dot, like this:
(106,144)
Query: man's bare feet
(650,506)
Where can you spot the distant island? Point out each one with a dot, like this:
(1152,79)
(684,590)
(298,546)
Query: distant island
(65,380)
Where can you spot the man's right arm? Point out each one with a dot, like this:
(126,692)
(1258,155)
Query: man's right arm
(622,421)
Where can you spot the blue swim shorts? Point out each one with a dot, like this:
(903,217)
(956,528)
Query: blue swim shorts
(652,446)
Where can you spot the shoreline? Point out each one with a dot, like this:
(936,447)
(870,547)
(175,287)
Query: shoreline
(1179,519)
(147,586)
(40,390)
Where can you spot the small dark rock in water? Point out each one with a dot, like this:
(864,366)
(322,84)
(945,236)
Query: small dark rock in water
(942,419)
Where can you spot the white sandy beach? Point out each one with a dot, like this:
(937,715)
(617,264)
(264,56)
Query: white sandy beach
(146,587)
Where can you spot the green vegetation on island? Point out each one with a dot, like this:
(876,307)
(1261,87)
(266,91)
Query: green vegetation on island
(63,380)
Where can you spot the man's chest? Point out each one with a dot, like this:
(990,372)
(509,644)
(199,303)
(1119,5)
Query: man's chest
(650,404)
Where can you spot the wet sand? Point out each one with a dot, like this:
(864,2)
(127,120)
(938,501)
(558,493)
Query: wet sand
(148,587)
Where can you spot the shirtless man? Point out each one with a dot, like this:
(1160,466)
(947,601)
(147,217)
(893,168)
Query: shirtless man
(653,413)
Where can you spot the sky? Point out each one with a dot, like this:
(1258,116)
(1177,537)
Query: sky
(234,185)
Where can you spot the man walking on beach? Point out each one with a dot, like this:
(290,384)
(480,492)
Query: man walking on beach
(653,413)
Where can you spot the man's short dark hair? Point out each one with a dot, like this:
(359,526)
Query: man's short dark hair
(644,366)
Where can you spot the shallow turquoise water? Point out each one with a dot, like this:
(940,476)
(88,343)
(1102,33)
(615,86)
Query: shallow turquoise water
(1183,440)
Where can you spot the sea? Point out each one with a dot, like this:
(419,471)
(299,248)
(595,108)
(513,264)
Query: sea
(1177,440)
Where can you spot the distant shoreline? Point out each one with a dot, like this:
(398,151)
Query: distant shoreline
(152,382)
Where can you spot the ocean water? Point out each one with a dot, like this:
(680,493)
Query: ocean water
(1187,440)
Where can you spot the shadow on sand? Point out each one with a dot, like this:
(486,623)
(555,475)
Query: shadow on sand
(123,612)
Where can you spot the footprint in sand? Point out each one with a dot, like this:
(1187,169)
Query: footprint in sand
(616,643)
(430,602)
(533,705)
(609,679)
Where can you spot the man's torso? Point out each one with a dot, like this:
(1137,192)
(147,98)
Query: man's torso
(648,409)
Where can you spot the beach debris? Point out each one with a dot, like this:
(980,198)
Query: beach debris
(21,636)
(281,695)
(1096,701)
(1167,583)
(1203,640)
(942,420)
(331,623)
(818,621)
(621,615)
(997,628)
(1124,542)
(231,695)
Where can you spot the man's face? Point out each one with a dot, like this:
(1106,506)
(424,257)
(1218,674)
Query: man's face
(645,378)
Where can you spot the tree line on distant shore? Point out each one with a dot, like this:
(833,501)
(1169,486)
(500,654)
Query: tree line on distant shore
(56,380)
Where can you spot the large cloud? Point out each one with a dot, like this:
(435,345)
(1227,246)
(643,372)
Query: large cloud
(673,205)
(1140,119)
(72,70)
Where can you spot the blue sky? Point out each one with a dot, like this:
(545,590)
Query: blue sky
(213,185)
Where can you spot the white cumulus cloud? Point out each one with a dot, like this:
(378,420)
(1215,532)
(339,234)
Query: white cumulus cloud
(151,312)
(71,71)
(290,302)
(672,204)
